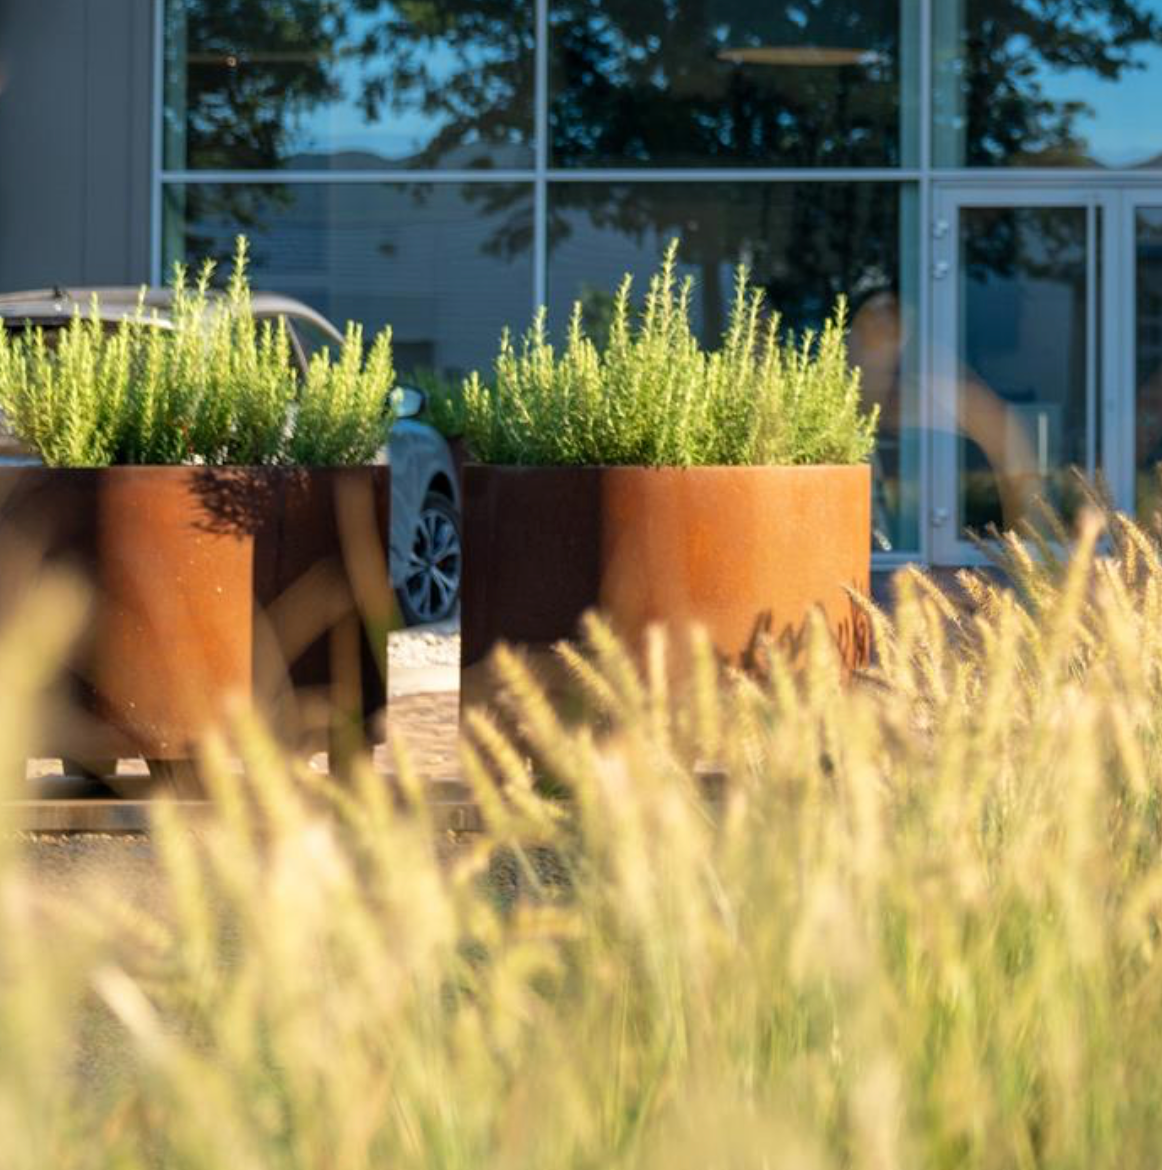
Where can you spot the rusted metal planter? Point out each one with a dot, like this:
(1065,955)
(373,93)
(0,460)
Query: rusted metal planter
(747,552)
(458,449)
(211,587)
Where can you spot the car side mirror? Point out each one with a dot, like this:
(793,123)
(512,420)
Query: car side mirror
(408,402)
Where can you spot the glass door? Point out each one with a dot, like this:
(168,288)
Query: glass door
(1019,290)
(1141,347)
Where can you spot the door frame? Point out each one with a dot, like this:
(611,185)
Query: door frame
(1105,206)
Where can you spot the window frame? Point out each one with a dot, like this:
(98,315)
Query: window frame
(923,176)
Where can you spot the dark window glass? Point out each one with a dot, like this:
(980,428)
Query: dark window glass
(1031,83)
(447,265)
(806,244)
(1148,359)
(707,83)
(1024,405)
(348,84)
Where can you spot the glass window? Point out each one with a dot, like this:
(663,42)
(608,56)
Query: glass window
(1148,359)
(1026,83)
(348,84)
(805,243)
(805,83)
(447,265)
(1026,398)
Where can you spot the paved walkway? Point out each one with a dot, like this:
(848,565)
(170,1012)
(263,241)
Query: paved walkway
(428,724)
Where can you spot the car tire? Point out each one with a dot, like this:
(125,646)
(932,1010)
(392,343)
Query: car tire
(430,590)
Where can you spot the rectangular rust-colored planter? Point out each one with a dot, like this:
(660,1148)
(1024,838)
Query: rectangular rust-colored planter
(747,552)
(209,585)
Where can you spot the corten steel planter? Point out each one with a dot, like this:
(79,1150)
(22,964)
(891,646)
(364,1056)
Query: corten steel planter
(458,449)
(209,587)
(324,606)
(746,552)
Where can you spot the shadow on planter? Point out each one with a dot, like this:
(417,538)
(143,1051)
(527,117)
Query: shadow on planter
(210,587)
(852,634)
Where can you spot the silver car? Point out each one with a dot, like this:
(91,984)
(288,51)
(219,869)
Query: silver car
(426,560)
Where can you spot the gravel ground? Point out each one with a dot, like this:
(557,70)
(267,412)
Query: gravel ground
(437,644)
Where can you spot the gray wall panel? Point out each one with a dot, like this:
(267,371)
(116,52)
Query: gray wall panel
(75,84)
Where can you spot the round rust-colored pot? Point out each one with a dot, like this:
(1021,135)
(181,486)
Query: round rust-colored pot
(747,552)
(209,586)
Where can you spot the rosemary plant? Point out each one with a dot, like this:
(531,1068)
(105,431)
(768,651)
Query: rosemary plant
(206,383)
(652,395)
(445,401)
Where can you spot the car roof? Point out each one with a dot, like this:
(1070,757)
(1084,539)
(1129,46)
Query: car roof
(48,305)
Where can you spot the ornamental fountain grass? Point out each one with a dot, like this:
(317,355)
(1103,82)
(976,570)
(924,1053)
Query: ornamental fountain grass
(663,483)
(223,509)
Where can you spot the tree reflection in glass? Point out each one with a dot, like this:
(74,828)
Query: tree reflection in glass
(728,83)
(310,84)
(348,84)
(1047,83)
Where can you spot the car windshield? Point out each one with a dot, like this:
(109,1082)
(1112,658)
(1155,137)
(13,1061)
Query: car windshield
(313,338)
(51,329)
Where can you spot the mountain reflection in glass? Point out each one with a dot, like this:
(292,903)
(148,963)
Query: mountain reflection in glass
(348,84)
(1047,83)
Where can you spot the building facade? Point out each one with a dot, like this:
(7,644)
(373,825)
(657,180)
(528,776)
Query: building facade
(982,179)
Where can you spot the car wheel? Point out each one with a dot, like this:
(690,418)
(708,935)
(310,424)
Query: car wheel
(431,585)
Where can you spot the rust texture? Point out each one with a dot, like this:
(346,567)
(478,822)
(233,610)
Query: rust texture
(172,625)
(209,586)
(747,552)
